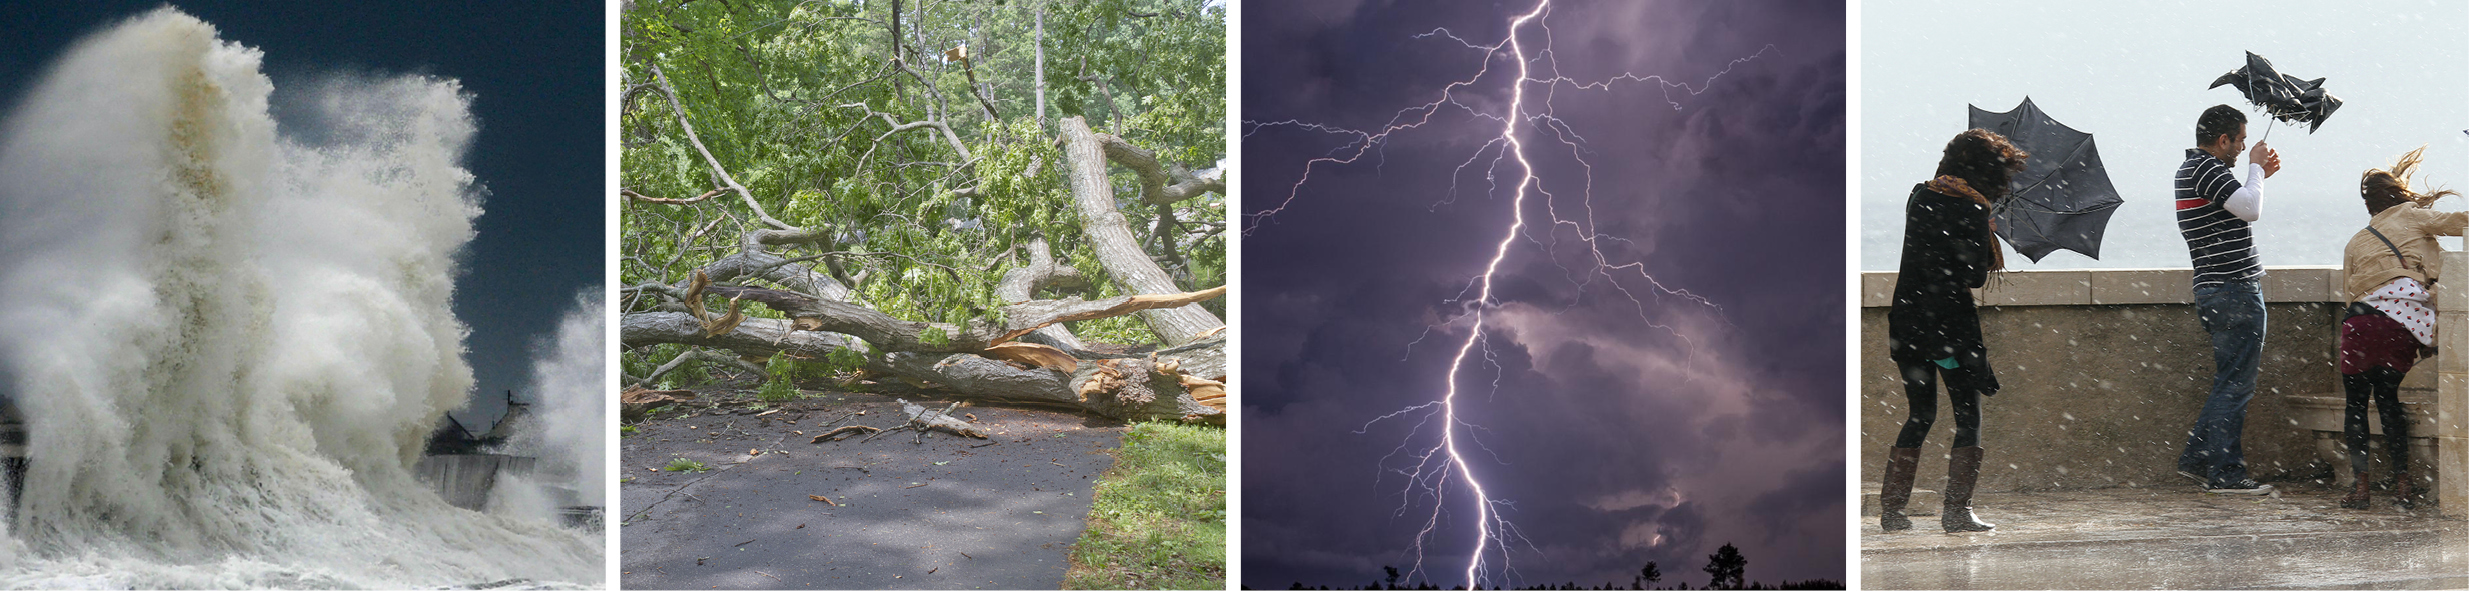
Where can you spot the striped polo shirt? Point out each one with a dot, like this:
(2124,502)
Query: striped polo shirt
(2222,245)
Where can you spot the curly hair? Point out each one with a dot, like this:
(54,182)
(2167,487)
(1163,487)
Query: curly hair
(1984,160)
(2218,121)
(2383,188)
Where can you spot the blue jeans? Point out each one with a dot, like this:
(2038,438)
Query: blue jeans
(2233,313)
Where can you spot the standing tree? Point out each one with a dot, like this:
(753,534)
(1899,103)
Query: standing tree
(1727,566)
(839,182)
(1648,575)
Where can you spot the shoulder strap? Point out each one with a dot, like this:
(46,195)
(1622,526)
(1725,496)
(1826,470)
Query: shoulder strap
(2387,243)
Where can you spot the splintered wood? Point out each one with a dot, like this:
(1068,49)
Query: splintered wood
(694,304)
(1028,355)
(1121,382)
(1207,392)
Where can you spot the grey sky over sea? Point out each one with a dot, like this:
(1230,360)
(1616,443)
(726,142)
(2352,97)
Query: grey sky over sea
(2133,75)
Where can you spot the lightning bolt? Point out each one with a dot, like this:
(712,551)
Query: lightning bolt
(1432,467)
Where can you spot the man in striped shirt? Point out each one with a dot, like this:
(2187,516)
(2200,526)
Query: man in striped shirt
(2213,212)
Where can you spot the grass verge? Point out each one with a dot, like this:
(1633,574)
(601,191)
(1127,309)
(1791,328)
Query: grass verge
(1159,519)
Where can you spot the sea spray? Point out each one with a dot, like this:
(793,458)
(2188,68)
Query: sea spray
(567,430)
(228,345)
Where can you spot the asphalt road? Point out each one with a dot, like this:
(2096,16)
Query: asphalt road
(951,513)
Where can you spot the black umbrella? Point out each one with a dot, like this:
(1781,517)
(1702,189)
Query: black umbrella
(2284,96)
(2062,198)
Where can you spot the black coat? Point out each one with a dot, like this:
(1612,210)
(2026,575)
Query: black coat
(1947,250)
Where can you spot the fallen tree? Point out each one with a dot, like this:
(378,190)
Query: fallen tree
(981,358)
(935,258)
(1181,383)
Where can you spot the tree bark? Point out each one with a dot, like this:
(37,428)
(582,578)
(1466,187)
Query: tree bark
(1162,183)
(754,337)
(1112,238)
(968,66)
(928,123)
(887,333)
(1154,395)
(973,377)
(754,259)
(692,355)
(922,419)
(1022,283)
(1131,389)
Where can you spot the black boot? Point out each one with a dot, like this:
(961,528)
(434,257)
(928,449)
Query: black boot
(1896,490)
(2396,424)
(1962,473)
(2403,491)
(2357,498)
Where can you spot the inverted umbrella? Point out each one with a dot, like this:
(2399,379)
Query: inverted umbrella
(2284,96)
(2062,198)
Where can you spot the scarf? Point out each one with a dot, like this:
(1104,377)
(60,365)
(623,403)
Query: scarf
(1949,185)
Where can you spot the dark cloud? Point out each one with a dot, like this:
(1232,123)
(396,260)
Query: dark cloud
(1619,442)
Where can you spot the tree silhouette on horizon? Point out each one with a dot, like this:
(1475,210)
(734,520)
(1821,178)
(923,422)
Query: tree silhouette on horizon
(1726,564)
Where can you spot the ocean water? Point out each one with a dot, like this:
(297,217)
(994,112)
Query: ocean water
(229,346)
(567,431)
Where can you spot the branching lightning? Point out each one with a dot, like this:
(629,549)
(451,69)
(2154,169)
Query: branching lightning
(1432,467)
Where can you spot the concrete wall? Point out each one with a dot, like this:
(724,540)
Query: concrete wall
(2451,412)
(2104,372)
(465,480)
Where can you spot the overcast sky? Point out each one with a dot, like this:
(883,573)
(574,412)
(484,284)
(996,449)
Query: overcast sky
(1617,443)
(2133,75)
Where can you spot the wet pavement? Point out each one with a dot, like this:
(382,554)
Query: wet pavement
(2174,538)
(951,513)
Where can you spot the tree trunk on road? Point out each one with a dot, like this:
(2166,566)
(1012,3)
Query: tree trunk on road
(1112,238)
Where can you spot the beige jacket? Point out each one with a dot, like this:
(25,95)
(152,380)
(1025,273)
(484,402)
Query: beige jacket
(2368,264)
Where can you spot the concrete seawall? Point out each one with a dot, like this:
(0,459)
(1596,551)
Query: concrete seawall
(2104,371)
(465,480)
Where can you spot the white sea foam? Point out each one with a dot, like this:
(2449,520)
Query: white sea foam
(566,431)
(230,346)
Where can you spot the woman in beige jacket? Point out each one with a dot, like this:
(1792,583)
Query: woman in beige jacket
(2390,271)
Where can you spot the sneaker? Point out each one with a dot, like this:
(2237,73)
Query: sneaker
(2242,486)
(2200,481)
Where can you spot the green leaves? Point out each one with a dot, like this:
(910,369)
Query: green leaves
(934,335)
(776,389)
(792,99)
(846,360)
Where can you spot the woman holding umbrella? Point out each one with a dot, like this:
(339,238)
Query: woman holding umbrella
(2389,270)
(1933,330)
